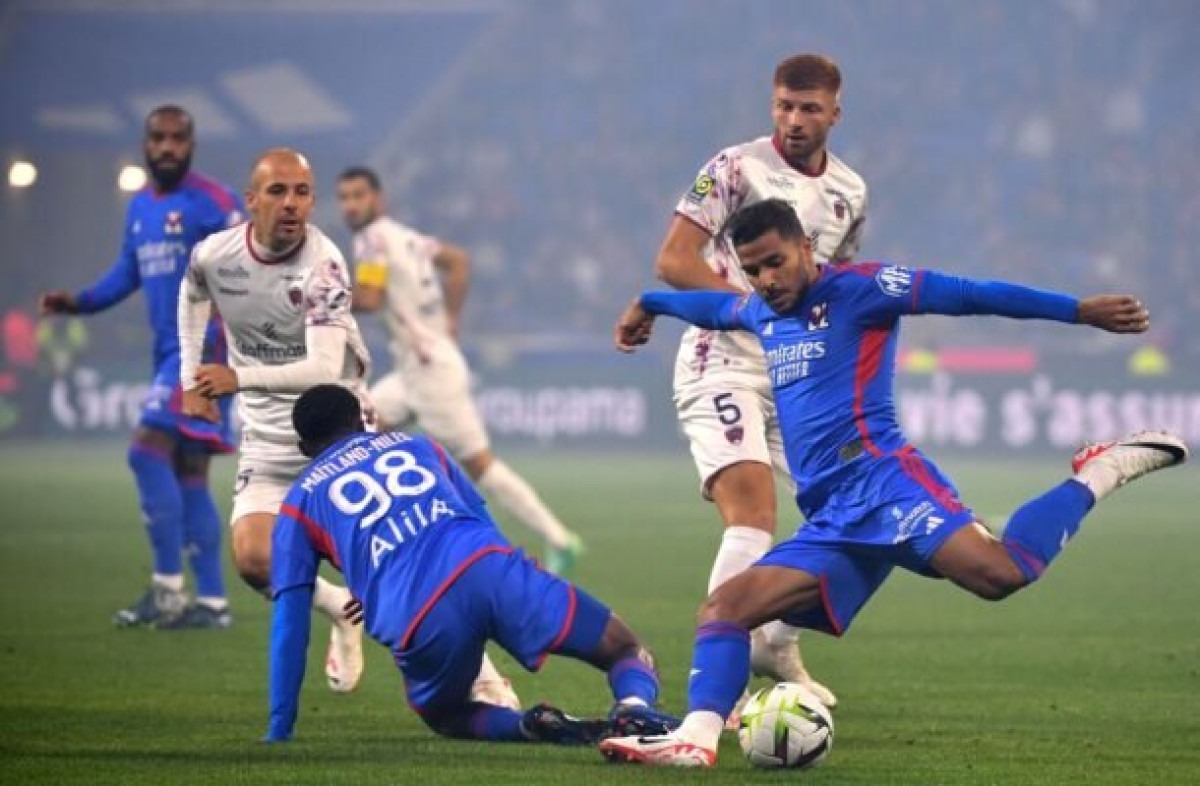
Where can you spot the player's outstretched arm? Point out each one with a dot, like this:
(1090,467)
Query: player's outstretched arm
(290,628)
(118,282)
(710,310)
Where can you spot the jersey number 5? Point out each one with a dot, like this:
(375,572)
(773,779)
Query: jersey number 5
(727,412)
(356,491)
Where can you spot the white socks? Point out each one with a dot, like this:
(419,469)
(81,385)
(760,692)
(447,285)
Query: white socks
(517,497)
(702,728)
(331,600)
(173,582)
(740,548)
(780,635)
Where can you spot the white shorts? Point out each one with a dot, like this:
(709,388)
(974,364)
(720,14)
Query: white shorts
(728,420)
(438,395)
(263,481)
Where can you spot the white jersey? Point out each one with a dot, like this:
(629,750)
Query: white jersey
(832,209)
(266,306)
(400,260)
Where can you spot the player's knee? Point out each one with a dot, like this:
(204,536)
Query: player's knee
(997,581)
(253,561)
(718,607)
(619,642)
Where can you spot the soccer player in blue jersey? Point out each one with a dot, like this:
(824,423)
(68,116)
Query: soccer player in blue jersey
(170,452)
(871,500)
(436,580)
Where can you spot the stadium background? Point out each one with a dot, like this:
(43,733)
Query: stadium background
(1056,143)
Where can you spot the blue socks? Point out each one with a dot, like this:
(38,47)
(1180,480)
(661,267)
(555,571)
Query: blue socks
(475,721)
(1040,528)
(633,678)
(720,668)
(162,506)
(202,525)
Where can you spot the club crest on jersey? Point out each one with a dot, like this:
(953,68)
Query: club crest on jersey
(174,225)
(295,295)
(818,318)
(895,281)
(735,434)
(841,204)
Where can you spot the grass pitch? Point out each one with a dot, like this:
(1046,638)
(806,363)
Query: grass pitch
(1091,677)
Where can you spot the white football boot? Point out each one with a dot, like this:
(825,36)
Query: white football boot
(668,750)
(781,662)
(344,659)
(1106,466)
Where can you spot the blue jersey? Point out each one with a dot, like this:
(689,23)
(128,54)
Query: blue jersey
(831,359)
(160,231)
(395,515)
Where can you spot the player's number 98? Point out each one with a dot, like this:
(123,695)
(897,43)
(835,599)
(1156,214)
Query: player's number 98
(355,492)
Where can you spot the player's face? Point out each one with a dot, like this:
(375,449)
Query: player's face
(280,201)
(802,120)
(359,202)
(780,269)
(168,148)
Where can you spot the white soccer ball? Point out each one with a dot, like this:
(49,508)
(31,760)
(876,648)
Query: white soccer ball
(785,726)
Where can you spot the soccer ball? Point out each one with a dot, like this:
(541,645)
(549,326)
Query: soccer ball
(785,726)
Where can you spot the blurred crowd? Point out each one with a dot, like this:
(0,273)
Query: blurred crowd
(1055,143)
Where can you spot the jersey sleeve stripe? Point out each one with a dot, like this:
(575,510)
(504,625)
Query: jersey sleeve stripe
(320,539)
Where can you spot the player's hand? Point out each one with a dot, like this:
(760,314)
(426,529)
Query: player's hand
(196,405)
(214,380)
(633,328)
(1115,313)
(58,302)
(353,611)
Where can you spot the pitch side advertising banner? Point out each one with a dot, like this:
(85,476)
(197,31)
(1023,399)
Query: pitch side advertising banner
(625,402)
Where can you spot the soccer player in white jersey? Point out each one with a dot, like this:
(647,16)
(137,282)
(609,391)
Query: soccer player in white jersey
(397,269)
(722,392)
(283,290)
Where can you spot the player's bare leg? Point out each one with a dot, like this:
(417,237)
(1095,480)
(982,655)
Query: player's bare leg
(498,481)
(252,558)
(720,664)
(151,458)
(744,494)
(994,568)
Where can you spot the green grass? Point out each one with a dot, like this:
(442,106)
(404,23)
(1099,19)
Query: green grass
(1091,677)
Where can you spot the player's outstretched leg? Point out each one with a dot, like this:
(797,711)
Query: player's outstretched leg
(720,664)
(152,461)
(1042,527)
(498,481)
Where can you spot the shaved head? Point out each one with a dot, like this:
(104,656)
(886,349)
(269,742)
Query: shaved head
(280,197)
(277,158)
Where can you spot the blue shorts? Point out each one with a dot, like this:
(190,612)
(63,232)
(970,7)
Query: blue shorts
(898,511)
(162,410)
(503,597)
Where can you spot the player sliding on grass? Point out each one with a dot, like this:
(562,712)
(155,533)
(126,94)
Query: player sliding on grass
(871,500)
(437,580)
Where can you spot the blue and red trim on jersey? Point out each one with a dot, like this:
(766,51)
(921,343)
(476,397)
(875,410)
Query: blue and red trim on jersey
(320,539)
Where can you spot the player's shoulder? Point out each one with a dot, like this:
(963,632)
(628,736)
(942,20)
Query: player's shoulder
(846,179)
(213,192)
(319,246)
(221,245)
(888,278)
